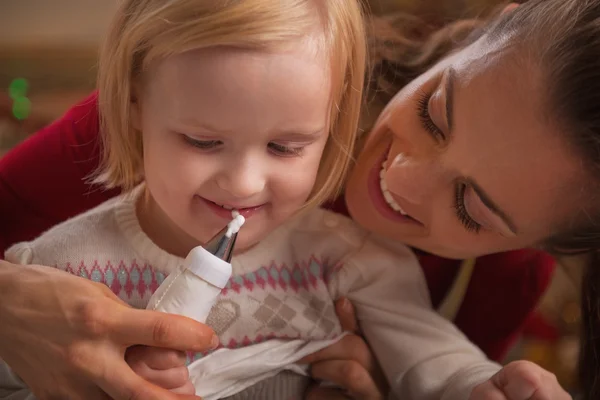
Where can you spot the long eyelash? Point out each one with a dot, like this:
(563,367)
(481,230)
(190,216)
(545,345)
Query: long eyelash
(285,150)
(461,211)
(201,144)
(426,121)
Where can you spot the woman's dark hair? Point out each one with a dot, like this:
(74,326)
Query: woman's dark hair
(560,39)
(403,46)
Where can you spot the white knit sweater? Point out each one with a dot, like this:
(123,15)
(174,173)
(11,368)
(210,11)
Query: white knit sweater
(278,306)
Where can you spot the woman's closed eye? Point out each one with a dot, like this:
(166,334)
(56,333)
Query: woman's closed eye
(425,117)
(476,212)
(461,210)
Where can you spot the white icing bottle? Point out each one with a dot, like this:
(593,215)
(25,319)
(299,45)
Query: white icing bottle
(192,289)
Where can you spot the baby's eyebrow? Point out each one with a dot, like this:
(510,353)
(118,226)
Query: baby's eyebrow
(194,125)
(300,135)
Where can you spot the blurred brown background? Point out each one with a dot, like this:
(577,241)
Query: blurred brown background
(53,45)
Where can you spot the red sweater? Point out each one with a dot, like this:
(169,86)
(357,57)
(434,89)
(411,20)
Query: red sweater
(42,183)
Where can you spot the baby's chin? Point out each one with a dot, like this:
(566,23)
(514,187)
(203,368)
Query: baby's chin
(247,240)
(242,246)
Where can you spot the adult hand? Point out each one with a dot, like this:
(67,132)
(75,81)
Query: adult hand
(163,367)
(66,336)
(348,363)
(521,380)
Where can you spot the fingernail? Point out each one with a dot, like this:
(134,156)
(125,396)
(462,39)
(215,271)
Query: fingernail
(346,306)
(214,342)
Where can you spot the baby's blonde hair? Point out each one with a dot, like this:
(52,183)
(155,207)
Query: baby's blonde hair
(145,31)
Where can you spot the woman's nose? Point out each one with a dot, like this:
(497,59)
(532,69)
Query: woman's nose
(412,180)
(411,139)
(242,180)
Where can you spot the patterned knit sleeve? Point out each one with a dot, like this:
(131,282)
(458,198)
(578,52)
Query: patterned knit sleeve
(20,253)
(11,386)
(422,354)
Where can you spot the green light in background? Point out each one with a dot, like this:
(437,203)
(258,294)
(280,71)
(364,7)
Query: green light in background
(18,88)
(21,108)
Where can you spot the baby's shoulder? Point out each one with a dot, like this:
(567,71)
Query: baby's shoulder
(332,232)
(92,232)
(327,228)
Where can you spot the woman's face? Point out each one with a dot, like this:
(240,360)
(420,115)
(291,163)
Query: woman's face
(462,163)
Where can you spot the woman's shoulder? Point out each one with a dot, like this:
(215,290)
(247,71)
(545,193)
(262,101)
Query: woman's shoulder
(84,117)
(519,262)
(42,180)
(513,262)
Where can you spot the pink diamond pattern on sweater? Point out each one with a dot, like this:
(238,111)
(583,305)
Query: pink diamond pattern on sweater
(135,283)
(145,280)
(125,281)
(303,275)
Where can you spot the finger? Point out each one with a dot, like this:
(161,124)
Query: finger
(551,389)
(487,391)
(548,389)
(155,357)
(350,375)
(121,383)
(346,314)
(157,329)
(350,347)
(188,388)
(519,390)
(519,380)
(318,393)
(166,378)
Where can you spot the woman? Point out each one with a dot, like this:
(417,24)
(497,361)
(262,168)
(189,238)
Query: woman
(413,160)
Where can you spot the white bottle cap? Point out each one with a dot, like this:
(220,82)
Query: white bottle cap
(212,269)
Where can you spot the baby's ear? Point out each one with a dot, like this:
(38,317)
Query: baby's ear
(135,108)
(509,7)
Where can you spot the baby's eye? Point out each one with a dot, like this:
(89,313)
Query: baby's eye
(202,144)
(285,151)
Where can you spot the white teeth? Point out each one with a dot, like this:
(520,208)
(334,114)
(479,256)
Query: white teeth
(224,206)
(386,193)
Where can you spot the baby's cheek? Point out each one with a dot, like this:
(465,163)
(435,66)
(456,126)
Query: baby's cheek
(294,189)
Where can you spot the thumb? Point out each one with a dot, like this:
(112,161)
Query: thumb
(158,329)
(518,380)
(346,314)
(121,383)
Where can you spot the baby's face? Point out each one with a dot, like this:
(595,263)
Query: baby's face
(229,128)
(466,152)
